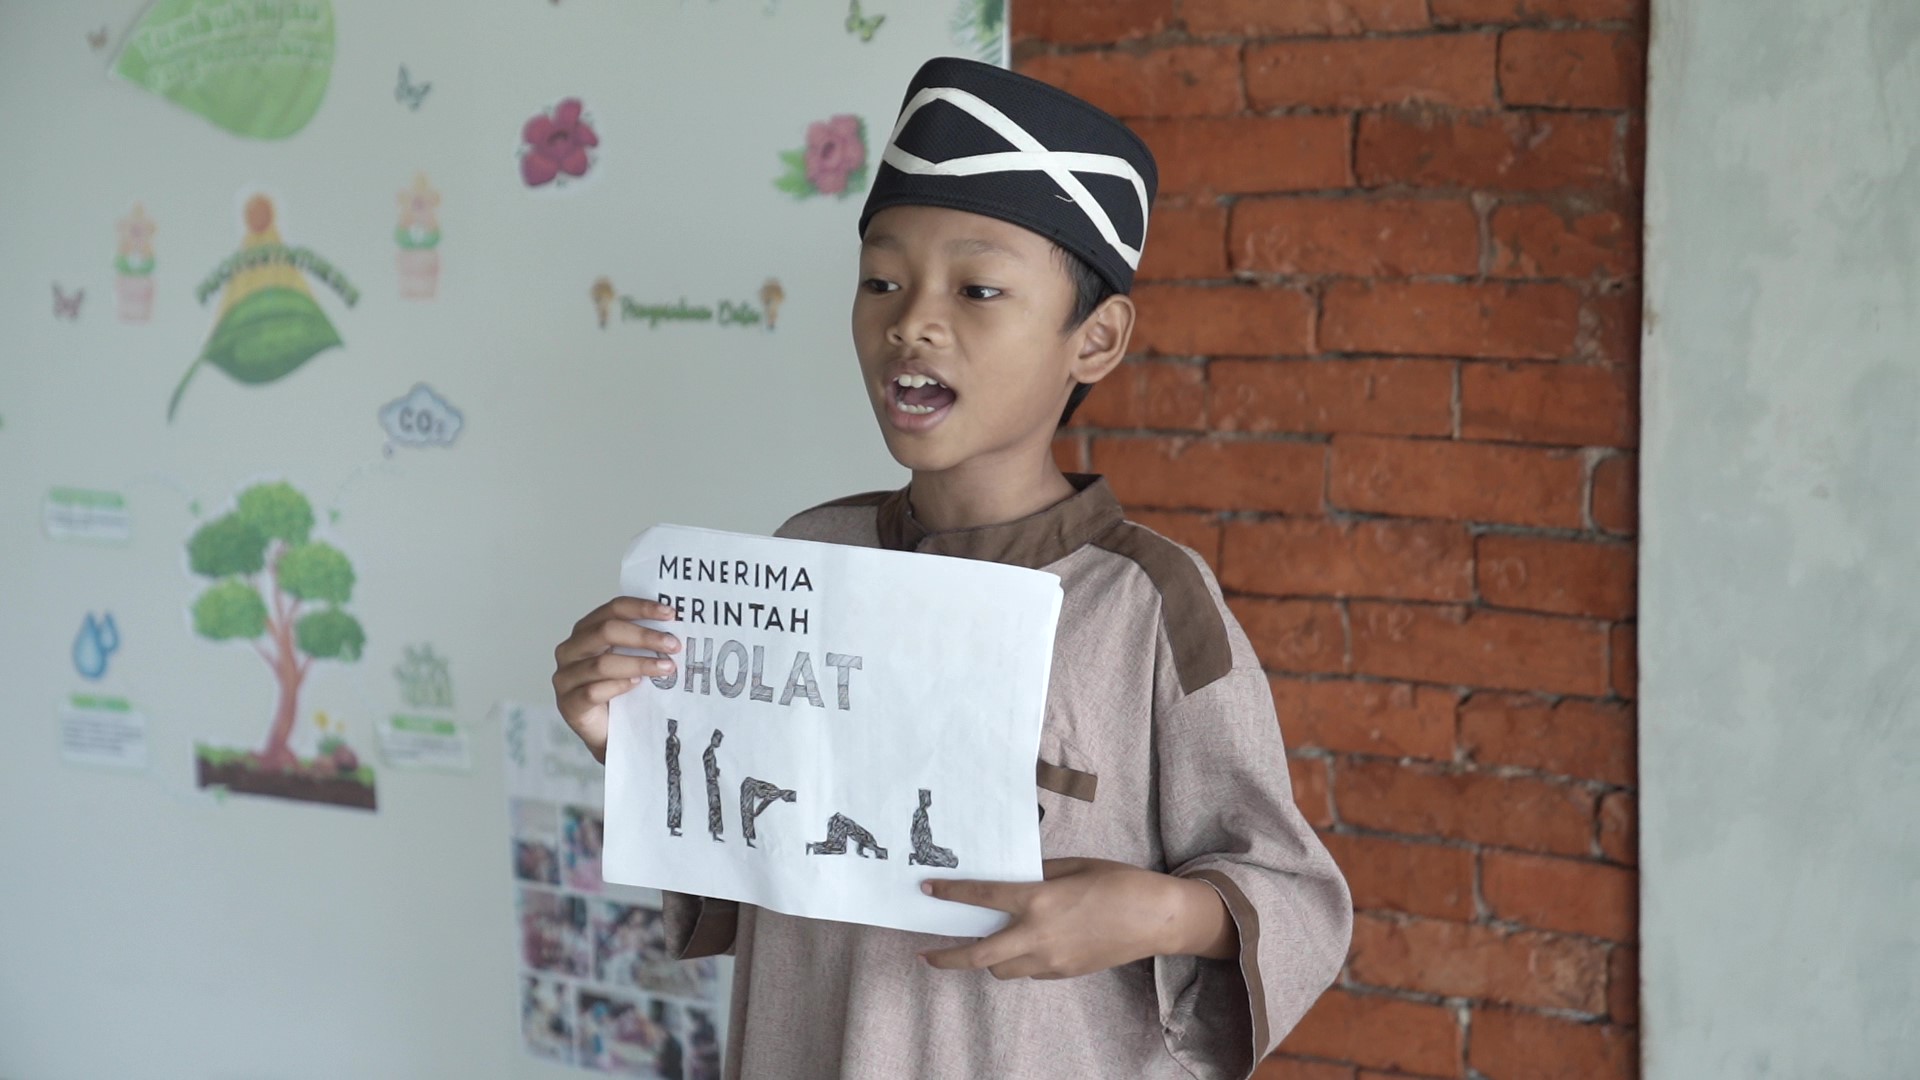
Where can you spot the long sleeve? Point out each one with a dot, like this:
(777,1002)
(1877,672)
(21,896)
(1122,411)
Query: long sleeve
(698,925)
(1227,817)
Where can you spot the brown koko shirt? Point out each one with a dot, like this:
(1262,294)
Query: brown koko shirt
(1161,749)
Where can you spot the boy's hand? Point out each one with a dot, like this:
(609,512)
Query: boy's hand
(1088,915)
(588,674)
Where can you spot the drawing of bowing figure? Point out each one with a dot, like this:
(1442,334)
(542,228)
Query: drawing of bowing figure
(673,777)
(755,797)
(925,851)
(715,824)
(840,829)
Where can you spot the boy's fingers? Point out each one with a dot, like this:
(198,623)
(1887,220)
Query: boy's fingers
(591,638)
(1007,896)
(988,951)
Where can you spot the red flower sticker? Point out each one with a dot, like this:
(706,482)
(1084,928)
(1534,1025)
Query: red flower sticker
(555,143)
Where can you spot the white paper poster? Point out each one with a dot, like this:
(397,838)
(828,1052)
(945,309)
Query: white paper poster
(598,989)
(843,723)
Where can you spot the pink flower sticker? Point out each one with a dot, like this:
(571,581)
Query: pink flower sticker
(833,162)
(555,143)
(834,150)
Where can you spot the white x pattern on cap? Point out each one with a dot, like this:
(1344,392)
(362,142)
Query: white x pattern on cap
(1031,156)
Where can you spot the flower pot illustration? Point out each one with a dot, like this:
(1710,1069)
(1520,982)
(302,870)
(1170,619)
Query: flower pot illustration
(133,285)
(418,235)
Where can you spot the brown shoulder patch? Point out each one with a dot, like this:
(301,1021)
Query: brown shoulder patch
(1195,629)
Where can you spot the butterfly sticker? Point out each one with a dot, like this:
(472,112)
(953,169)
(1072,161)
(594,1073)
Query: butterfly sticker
(408,93)
(861,24)
(67,307)
(97,39)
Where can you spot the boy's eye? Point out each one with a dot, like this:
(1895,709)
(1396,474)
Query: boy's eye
(988,288)
(870,282)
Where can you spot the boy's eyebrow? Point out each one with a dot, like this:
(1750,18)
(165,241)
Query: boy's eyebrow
(966,245)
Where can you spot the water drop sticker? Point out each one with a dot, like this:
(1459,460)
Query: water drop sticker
(94,645)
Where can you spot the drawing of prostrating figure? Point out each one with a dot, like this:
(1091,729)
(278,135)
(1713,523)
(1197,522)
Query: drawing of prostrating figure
(715,824)
(755,797)
(840,829)
(925,851)
(673,777)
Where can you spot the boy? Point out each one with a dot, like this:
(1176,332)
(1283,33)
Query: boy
(1188,915)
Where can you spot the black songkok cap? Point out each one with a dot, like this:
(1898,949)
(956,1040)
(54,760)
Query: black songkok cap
(979,138)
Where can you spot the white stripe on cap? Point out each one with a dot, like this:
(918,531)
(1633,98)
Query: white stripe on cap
(1031,156)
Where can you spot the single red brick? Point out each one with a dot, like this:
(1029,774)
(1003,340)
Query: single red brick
(1498,650)
(1561,577)
(1144,393)
(1574,896)
(1090,22)
(1379,1031)
(1458,12)
(1306,636)
(1188,474)
(1561,404)
(1499,151)
(1198,531)
(1288,1068)
(1509,1044)
(1070,453)
(1359,237)
(1407,560)
(1573,69)
(1521,321)
(1396,875)
(1542,971)
(1619,827)
(1434,478)
(1309,779)
(1541,240)
(1623,985)
(1240,319)
(1185,239)
(1625,665)
(1359,73)
(1616,501)
(1610,327)
(1389,719)
(1252,154)
(1414,800)
(1178,80)
(1382,397)
(1587,740)
(1270,18)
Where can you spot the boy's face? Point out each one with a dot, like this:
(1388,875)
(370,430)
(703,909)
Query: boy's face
(977,303)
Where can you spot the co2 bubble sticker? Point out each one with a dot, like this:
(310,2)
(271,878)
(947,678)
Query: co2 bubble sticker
(422,418)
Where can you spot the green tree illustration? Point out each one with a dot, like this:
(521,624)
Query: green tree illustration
(276,586)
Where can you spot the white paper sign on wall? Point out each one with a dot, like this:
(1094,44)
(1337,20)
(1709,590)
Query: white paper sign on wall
(843,723)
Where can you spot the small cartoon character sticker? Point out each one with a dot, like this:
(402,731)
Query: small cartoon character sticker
(418,235)
(133,288)
(771,294)
(603,295)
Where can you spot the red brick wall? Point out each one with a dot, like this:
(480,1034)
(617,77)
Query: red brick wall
(1385,378)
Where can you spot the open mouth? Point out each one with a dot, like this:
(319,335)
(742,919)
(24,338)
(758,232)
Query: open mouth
(919,395)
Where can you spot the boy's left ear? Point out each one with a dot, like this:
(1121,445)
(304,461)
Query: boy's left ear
(1103,338)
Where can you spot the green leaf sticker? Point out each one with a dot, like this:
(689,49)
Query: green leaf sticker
(258,68)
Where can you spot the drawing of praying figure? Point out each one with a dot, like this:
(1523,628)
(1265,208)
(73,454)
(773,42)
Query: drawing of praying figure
(840,829)
(673,777)
(715,825)
(925,851)
(755,797)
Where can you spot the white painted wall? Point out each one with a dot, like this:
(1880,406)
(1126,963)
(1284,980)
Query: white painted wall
(1780,561)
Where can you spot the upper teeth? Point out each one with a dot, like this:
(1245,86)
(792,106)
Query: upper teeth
(911,380)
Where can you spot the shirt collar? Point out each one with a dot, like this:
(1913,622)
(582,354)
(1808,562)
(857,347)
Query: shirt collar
(1043,537)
